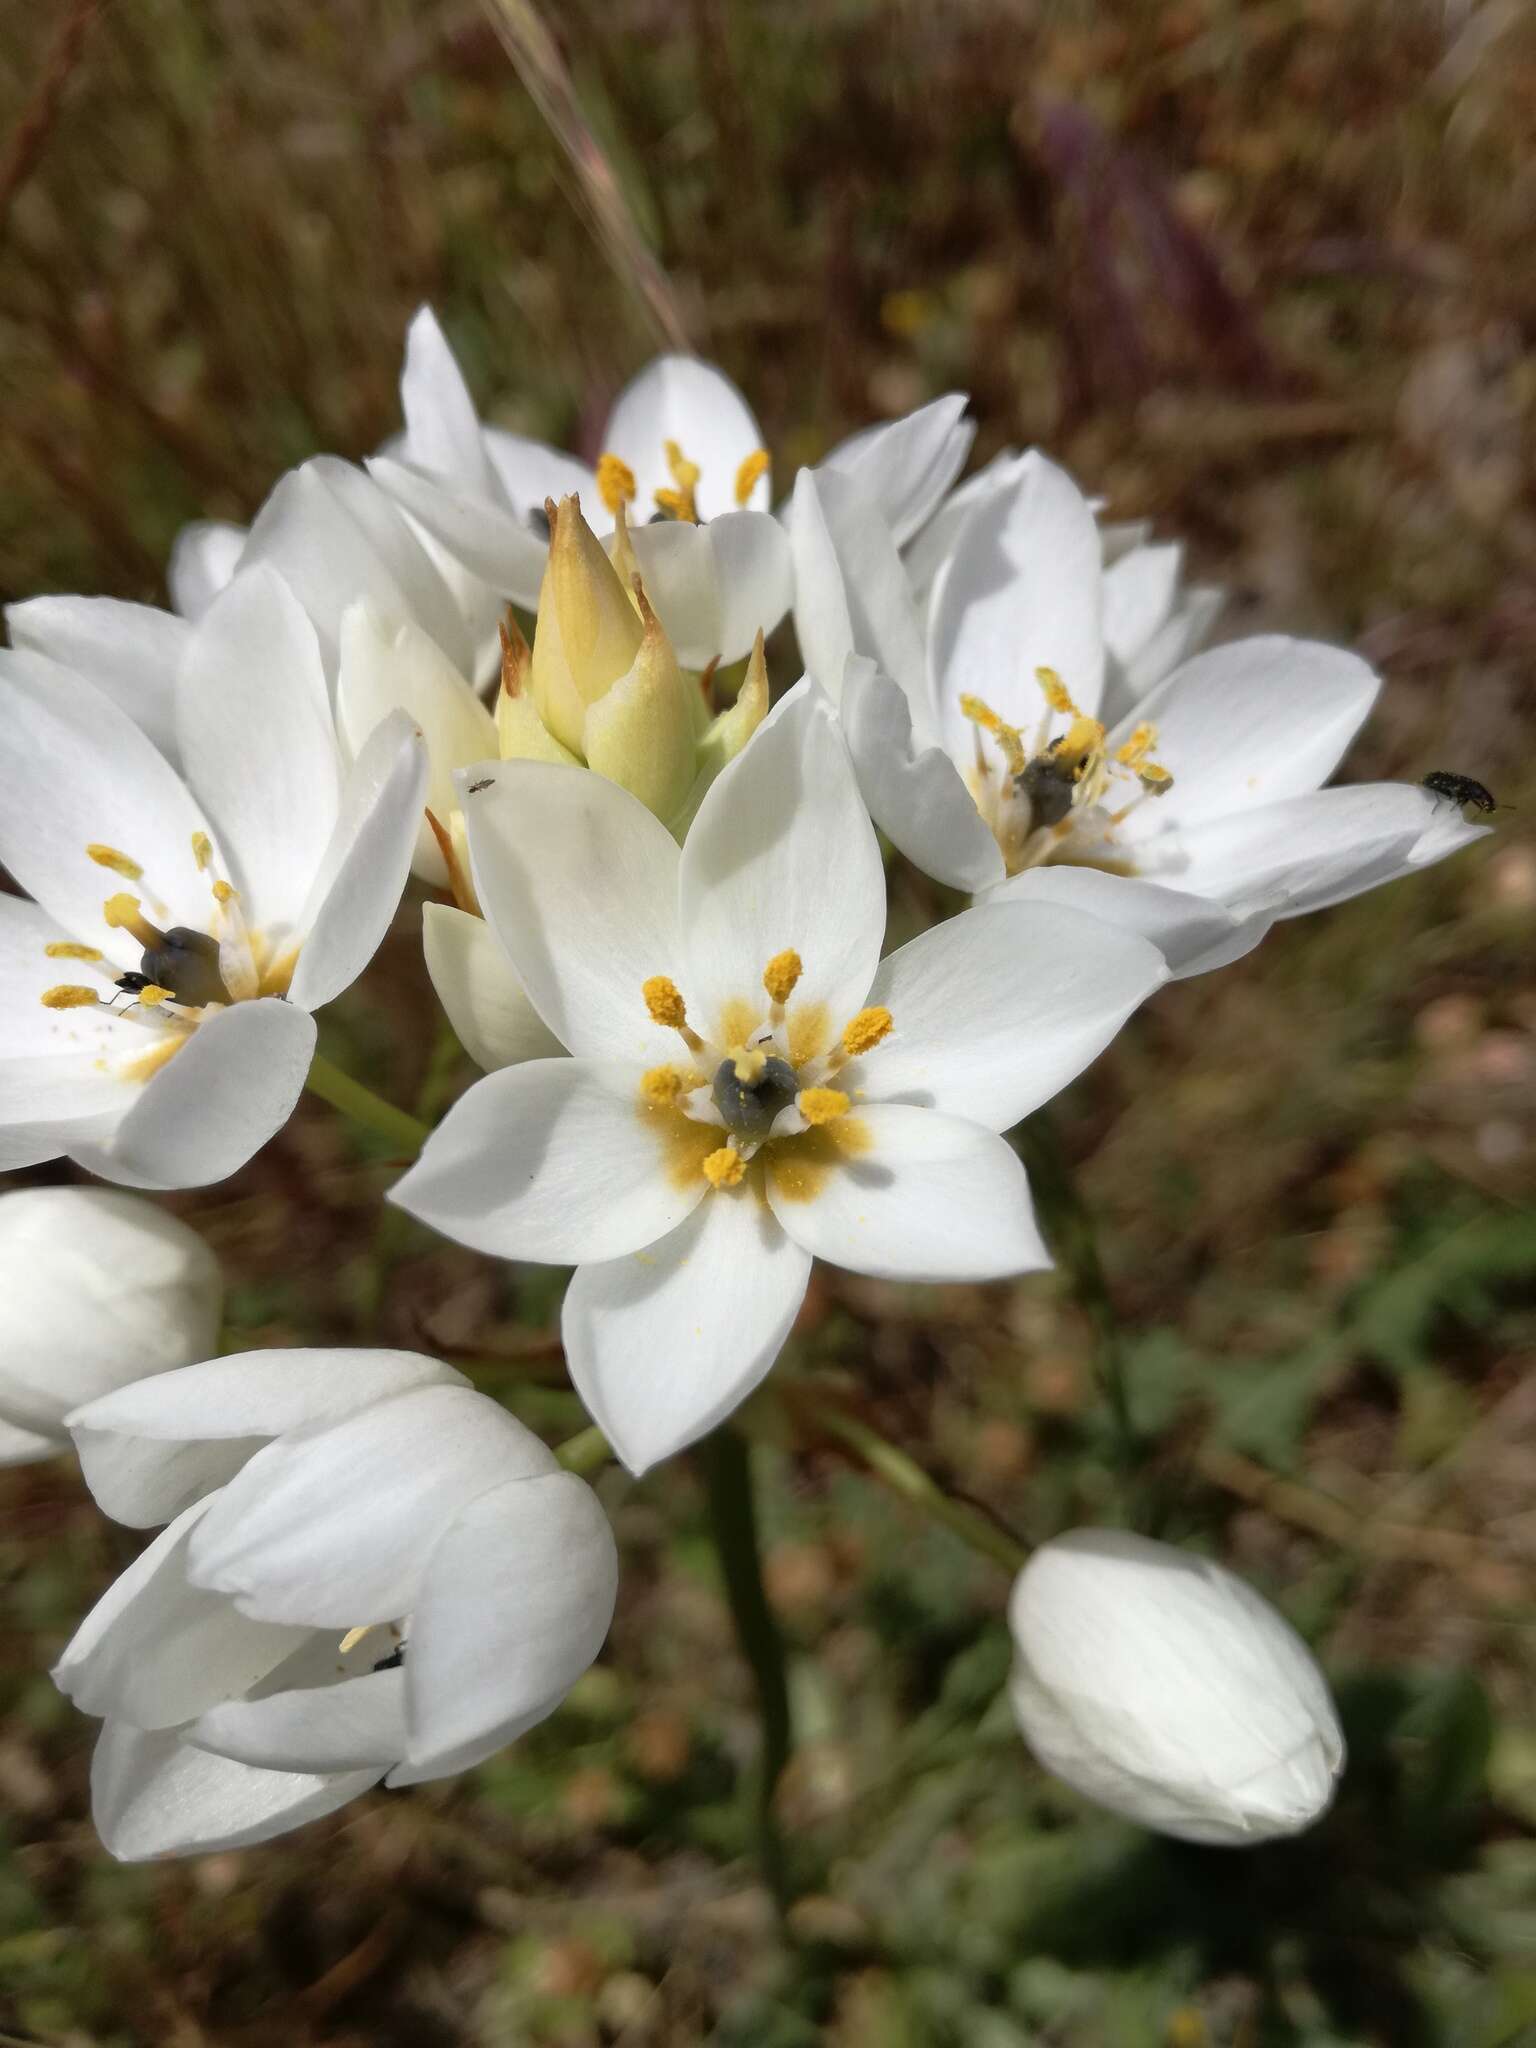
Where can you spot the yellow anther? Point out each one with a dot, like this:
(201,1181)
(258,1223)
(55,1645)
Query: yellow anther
(202,850)
(781,975)
(66,949)
(664,1000)
(1155,777)
(822,1105)
(354,1636)
(223,893)
(677,505)
(1138,746)
(725,1168)
(152,995)
(663,1087)
(1083,739)
(123,913)
(616,484)
(863,1033)
(752,470)
(119,863)
(1007,736)
(69,995)
(1057,695)
(748,1062)
(685,474)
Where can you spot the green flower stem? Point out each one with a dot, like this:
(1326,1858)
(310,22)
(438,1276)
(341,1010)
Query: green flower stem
(905,1476)
(332,1085)
(584,1452)
(1071,1231)
(727,1467)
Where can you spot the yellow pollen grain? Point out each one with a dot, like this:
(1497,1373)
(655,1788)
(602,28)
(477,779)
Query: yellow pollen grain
(725,1168)
(202,850)
(664,1001)
(1007,737)
(69,995)
(1057,695)
(864,1032)
(752,470)
(823,1105)
(616,484)
(66,949)
(747,1063)
(119,863)
(781,974)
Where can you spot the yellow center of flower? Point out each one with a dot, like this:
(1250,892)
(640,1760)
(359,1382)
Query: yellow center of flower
(185,974)
(758,1088)
(1045,800)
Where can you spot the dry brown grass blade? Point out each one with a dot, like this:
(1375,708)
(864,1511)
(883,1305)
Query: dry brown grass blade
(532,49)
(36,124)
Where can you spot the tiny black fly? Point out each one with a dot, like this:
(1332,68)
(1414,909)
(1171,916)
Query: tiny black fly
(1459,789)
(1049,783)
(486,782)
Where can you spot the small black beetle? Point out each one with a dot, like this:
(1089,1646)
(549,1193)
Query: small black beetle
(1460,789)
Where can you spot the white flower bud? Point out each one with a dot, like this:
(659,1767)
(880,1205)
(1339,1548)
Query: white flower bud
(100,1288)
(1161,1686)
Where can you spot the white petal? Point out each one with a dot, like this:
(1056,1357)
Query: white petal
(823,612)
(557,1161)
(478,987)
(1170,646)
(153,1795)
(153,1447)
(253,722)
(336,536)
(928,555)
(1139,590)
(28,1028)
(914,790)
(354,1724)
(715,586)
(882,618)
(1247,724)
(442,428)
(74,771)
(933,1197)
(26,1446)
(531,471)
(102,1289)
(996,1010)
(905,466)
(364,867)
(515,1604)
(62,1089)
(387,668)
(331,1525)
(579,882)
(782,854)
(157,1649)
(204,555)
(493,543)
(131,652)
(679,398)
(1022,592)
(663,1345)
(232,1086)
(1297,854)
(1193,933)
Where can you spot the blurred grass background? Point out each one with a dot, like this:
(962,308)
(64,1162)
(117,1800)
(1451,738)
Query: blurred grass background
(1260,272)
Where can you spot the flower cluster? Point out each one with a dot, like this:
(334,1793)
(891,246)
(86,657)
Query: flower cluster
(656,916)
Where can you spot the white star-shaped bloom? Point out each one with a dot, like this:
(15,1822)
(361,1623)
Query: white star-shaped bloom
(159,987)
(987,749)
(749,1085)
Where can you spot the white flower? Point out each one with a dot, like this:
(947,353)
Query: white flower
(160,985)
(1164,1688)
(1197,818)
(99,1288)
(750,1084)
(370,1570)
(680,444)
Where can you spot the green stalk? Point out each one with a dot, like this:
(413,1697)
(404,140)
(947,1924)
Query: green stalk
(584,1452)
(727,1468)
(905,1476)
(332,1085)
